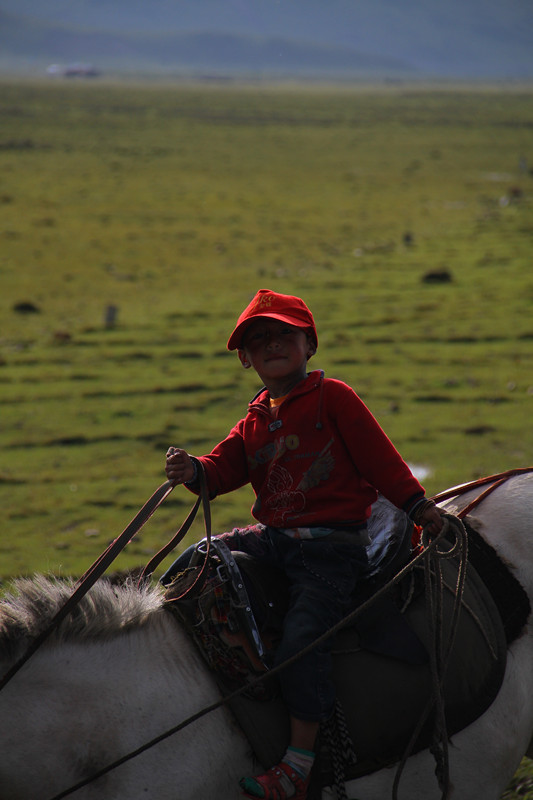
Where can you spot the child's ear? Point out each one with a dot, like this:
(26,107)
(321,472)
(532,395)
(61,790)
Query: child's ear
(311,348)
(244,361)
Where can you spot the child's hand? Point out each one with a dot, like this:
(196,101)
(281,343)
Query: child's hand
(431,518)
(179,466)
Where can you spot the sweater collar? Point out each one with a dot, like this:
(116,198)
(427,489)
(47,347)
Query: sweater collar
(314,380)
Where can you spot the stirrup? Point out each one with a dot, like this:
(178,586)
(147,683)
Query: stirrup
(273,788)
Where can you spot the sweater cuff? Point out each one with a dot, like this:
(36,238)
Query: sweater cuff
(194,484)
(419,508)
(194,480)
(413,504)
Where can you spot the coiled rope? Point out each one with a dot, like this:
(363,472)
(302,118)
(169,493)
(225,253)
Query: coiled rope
(441,648)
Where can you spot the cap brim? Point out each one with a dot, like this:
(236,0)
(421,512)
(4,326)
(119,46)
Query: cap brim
(235,340)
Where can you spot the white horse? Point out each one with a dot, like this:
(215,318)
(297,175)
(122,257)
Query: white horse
(124,672)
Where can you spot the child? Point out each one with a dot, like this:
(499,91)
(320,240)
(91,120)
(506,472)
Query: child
(316,458)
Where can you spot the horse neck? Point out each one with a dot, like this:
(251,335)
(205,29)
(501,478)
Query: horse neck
(124,662)
(107,695)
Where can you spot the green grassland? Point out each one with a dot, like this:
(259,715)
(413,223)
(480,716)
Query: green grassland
(176,203)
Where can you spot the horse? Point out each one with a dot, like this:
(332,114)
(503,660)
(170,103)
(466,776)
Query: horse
(120,671)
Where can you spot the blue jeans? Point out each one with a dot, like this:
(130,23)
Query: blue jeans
(322,575)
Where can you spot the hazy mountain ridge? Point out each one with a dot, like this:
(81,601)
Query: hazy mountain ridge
(482,38)
(187,51)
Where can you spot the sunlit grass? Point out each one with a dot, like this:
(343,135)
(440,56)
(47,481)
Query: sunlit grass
(176,205)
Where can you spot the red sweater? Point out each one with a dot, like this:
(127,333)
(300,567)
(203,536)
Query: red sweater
(321,462)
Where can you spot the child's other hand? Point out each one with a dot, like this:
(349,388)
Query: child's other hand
(431,518)
(179,466)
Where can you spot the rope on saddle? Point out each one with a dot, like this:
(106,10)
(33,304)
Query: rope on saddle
(440,651)
(335,730)
(341,748)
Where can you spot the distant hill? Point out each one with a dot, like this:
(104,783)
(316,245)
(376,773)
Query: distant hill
(215,52)
(455,39)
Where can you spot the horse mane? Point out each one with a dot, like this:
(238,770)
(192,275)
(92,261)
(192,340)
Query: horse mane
(106,610)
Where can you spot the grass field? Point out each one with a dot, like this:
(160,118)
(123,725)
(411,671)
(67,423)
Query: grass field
(175,205)
(402,215)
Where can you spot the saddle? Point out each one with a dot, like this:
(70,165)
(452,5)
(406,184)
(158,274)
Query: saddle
(381,662)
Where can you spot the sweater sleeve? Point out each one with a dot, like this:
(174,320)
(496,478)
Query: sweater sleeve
(226,467)
(372,452)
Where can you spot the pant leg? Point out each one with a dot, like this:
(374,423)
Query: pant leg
(322,576)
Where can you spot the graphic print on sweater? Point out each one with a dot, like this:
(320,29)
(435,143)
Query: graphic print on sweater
(283,498)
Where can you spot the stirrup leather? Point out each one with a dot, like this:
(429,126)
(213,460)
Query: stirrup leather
(273,788)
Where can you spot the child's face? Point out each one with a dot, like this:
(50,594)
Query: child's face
(277,351)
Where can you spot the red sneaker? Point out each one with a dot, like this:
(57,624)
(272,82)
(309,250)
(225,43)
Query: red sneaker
(272,786)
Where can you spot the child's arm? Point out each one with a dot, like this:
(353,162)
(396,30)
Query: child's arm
(376,458)
(179,466)
(225,468)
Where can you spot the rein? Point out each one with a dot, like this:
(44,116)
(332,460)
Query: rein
(97,569)
(176,539)
(493,480)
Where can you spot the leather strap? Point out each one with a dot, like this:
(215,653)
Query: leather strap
(178,536)
(493,480)
(89,578)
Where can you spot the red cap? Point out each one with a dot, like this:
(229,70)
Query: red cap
(284,307)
